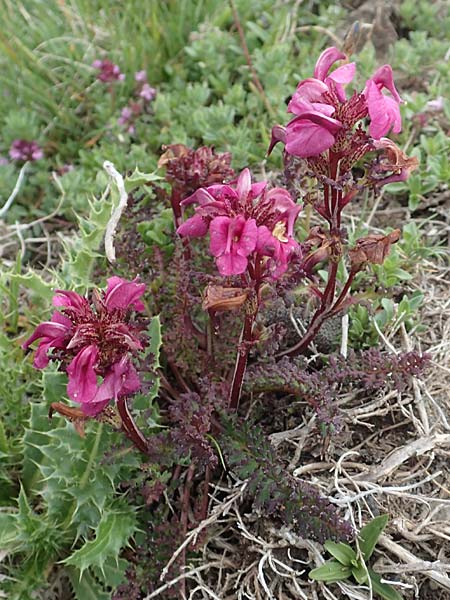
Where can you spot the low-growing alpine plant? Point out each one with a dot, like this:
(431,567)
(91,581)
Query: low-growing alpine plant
(223,274)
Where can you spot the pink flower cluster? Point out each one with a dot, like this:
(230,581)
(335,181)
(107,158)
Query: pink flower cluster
(107,71)
(25,150)
(94,340)
(145,90)
(145,94)
(324,116)
(249,226)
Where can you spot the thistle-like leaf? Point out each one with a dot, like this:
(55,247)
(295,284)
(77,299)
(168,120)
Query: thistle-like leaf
(86,587)
(112,534)
(138,179)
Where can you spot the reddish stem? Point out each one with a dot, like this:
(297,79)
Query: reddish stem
(327,304)
(131,430)
(336,306)
(241,359)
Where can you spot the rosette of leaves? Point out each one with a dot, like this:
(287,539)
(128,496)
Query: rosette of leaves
(349,562)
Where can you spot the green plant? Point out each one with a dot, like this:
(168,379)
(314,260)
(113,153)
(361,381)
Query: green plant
(349,562)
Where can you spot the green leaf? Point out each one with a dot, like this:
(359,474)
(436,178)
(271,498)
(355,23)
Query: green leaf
(136,179)
(55,386)
(8,530)
(369,534)
(112,534)
(359,572)
(34,282)
(341,552)
(331,571)
(154,331)
(384,590)
(86,587)
(112,572)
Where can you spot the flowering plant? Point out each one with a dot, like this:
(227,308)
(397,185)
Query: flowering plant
(254,260)
(25,150)
(96,343)
(325,141)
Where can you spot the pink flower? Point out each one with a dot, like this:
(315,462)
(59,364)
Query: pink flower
(314,103)
(108,71)
(384,111)
(95,342)
(311,90)
(124,294)
(55,333)
(82,385)
(121,380)
(233,214)
(277,245)
(126,114)
(140,76)
(25,150)
(147,92)
(231,242)
(337,78)
(311,134)
(196,226)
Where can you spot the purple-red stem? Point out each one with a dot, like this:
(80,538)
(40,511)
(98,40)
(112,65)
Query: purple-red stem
(327,305)
(241,360)
(132,431)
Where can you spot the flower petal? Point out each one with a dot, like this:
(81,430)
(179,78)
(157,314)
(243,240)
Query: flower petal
(257,188)
(41,358)
(82,385)
(247,238)
(56,330)
(384,112)
(218,231)
(231,264)
(326,61)
(310,90)
(278,135)
(121,293)
(343,74)
(302,107)
(384,78)
(200,196)
(196,226)
(243,184)
(69,299)
(305,138)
